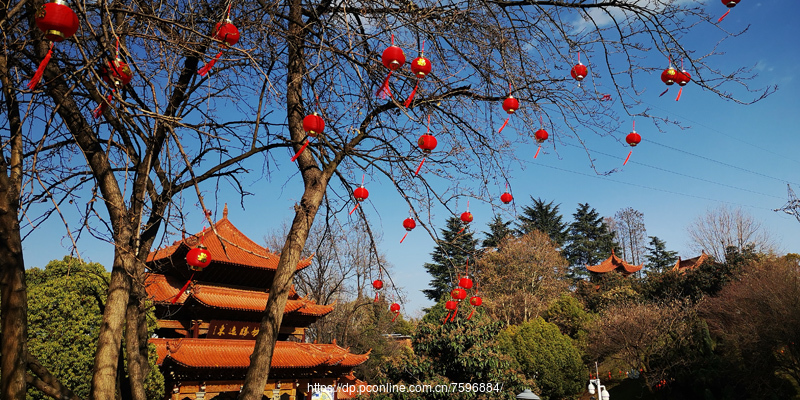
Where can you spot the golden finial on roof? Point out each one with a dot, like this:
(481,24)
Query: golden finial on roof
(225,211)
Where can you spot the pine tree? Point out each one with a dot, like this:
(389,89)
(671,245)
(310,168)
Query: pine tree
(545,218)
(498,230)
(589,240)
(452,251)
(658,257)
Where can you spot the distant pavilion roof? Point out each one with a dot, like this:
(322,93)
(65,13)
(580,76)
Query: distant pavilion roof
(235,354)
(692,263)
(614,263)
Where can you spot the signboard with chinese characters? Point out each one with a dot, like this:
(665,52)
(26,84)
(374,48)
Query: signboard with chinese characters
(218,329)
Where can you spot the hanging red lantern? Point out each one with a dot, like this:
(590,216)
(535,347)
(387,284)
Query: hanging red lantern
(466,217)
(313,125)
(450,305)
(360,194)
(420,67)
(116,73)
(465,283)
(458,294)
(58,23)
(633,139)
(393,58)
(198,258)
(377,284)
(540,136)
(475,301)
(510,105)
(409,224)
(426,143)
(395,308)
(506,198)
(682,79)
(730,4)
(669,75)
(579,71)
(226,34)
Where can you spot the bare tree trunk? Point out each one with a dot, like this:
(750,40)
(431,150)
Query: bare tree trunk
(13,292)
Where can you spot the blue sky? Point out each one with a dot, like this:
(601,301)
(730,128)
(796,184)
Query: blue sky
(732,154)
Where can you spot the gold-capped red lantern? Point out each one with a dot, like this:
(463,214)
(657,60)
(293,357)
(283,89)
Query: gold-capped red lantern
(633,139)
(465,283)
(466,217)
(475,301)
(682,80)
(510,104)
(409,224)
(360,194)
(393,57)
(579,72)
(198,258)
(313,125)
(57,21)
(116,72)
(420,67)
(458,294)
(226,33)
(669,75)
(395,308)
(427,143)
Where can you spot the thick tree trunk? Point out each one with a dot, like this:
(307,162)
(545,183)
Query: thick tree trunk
(136,340)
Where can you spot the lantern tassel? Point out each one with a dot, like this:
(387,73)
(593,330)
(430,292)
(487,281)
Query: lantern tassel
(723,16)
(504,124)
(420,166)
(183,289)
(446,317)
(455,314)
(471,313)
(537,152)
(664,92)
(203,71)
(395,316)
(300,151)
(411,97)
(376,297)
(462,230)
(102,107)
(404,237)
(354,209)
(627,158)
(384,89)
(679,94)
(40,71)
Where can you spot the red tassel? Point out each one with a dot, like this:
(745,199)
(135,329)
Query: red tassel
(470,314)
(395,316)
(664,92)
(420,166)
(504,124)
(300,151)
(404,237)
(411,97)
(679,94)
(354,209)
(723,16)
(40,71)
(537,152)
(462,230)
(446,317)
(376,297)
(102,107)
(384,89)
(203,71)
(627,158)
(455,314)
(183,289)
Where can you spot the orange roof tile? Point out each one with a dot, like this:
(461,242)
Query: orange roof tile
(614,263)
(683,265)
(227,245)
(228,353)
(163,289)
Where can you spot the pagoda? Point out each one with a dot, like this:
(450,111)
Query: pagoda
(681,266)
(614,263)
(207,322)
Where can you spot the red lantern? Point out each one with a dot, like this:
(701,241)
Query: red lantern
(427,143)
(59,23)
(395,308)
(409,224)
(377,284)
(227,35)
(452,309)
(421,67)
(313,125)
(682,79)
(579,71)
(541,135)
(510,105)
(393,58)
(506,198)
(458,294)
(633,138)
(117,73)
(360,194)
(466,217)
(465,283)
(451,305)
(669,75)
(198,258)
(475,301)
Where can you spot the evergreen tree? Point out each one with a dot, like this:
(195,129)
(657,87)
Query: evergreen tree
(545,218)
(498,230)
(589,240)
(452,251)
(658,257)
